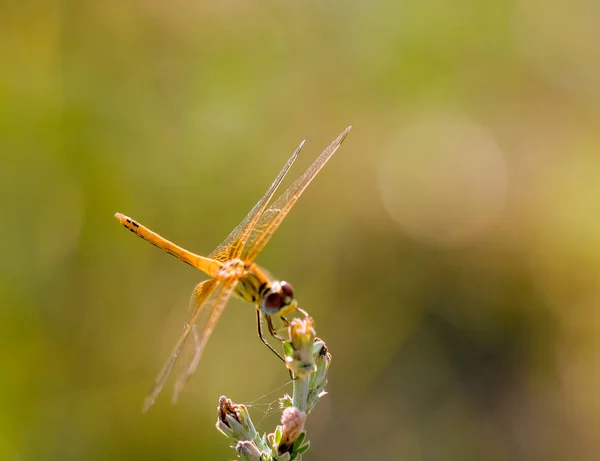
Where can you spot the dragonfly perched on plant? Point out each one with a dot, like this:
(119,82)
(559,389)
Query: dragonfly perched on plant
(233,271)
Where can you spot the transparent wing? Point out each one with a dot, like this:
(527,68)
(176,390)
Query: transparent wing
(233,245)
(203,298)
(220,297)
(270,220)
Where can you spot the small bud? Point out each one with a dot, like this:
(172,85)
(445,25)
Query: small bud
(248,451)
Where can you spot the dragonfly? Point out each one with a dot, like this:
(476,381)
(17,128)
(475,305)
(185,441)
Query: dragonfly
(232,271)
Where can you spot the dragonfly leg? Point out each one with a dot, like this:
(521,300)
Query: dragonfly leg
(272,329)
(260,335)
(275,335)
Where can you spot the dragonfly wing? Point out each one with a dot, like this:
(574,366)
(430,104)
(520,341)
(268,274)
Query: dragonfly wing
(217,304)
(271,219)
(233,245)
(200,300)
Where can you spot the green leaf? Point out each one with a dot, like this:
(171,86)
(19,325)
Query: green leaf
(300,438)
(303,449)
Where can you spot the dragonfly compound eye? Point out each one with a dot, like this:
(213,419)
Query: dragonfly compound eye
(287,291)
(272,302)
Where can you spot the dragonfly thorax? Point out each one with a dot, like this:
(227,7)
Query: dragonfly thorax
(273,297)
(235,268)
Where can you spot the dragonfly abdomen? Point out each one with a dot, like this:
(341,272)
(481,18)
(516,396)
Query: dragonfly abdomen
(206,265)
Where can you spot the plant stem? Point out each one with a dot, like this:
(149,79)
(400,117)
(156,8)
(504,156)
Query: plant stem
(300,389)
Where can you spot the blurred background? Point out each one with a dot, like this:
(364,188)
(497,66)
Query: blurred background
(449,252)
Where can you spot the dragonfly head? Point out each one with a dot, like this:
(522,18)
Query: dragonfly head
(279,299)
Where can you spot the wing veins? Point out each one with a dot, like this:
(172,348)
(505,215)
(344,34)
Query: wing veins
(221,298)
(235,242)
(275,214)
(206,288)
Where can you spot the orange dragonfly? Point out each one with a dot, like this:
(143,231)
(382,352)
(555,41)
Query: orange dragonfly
(233,271)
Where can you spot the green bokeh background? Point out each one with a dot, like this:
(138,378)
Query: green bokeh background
(449,253)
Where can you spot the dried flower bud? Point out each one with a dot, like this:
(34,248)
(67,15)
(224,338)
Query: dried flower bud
(234,420)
